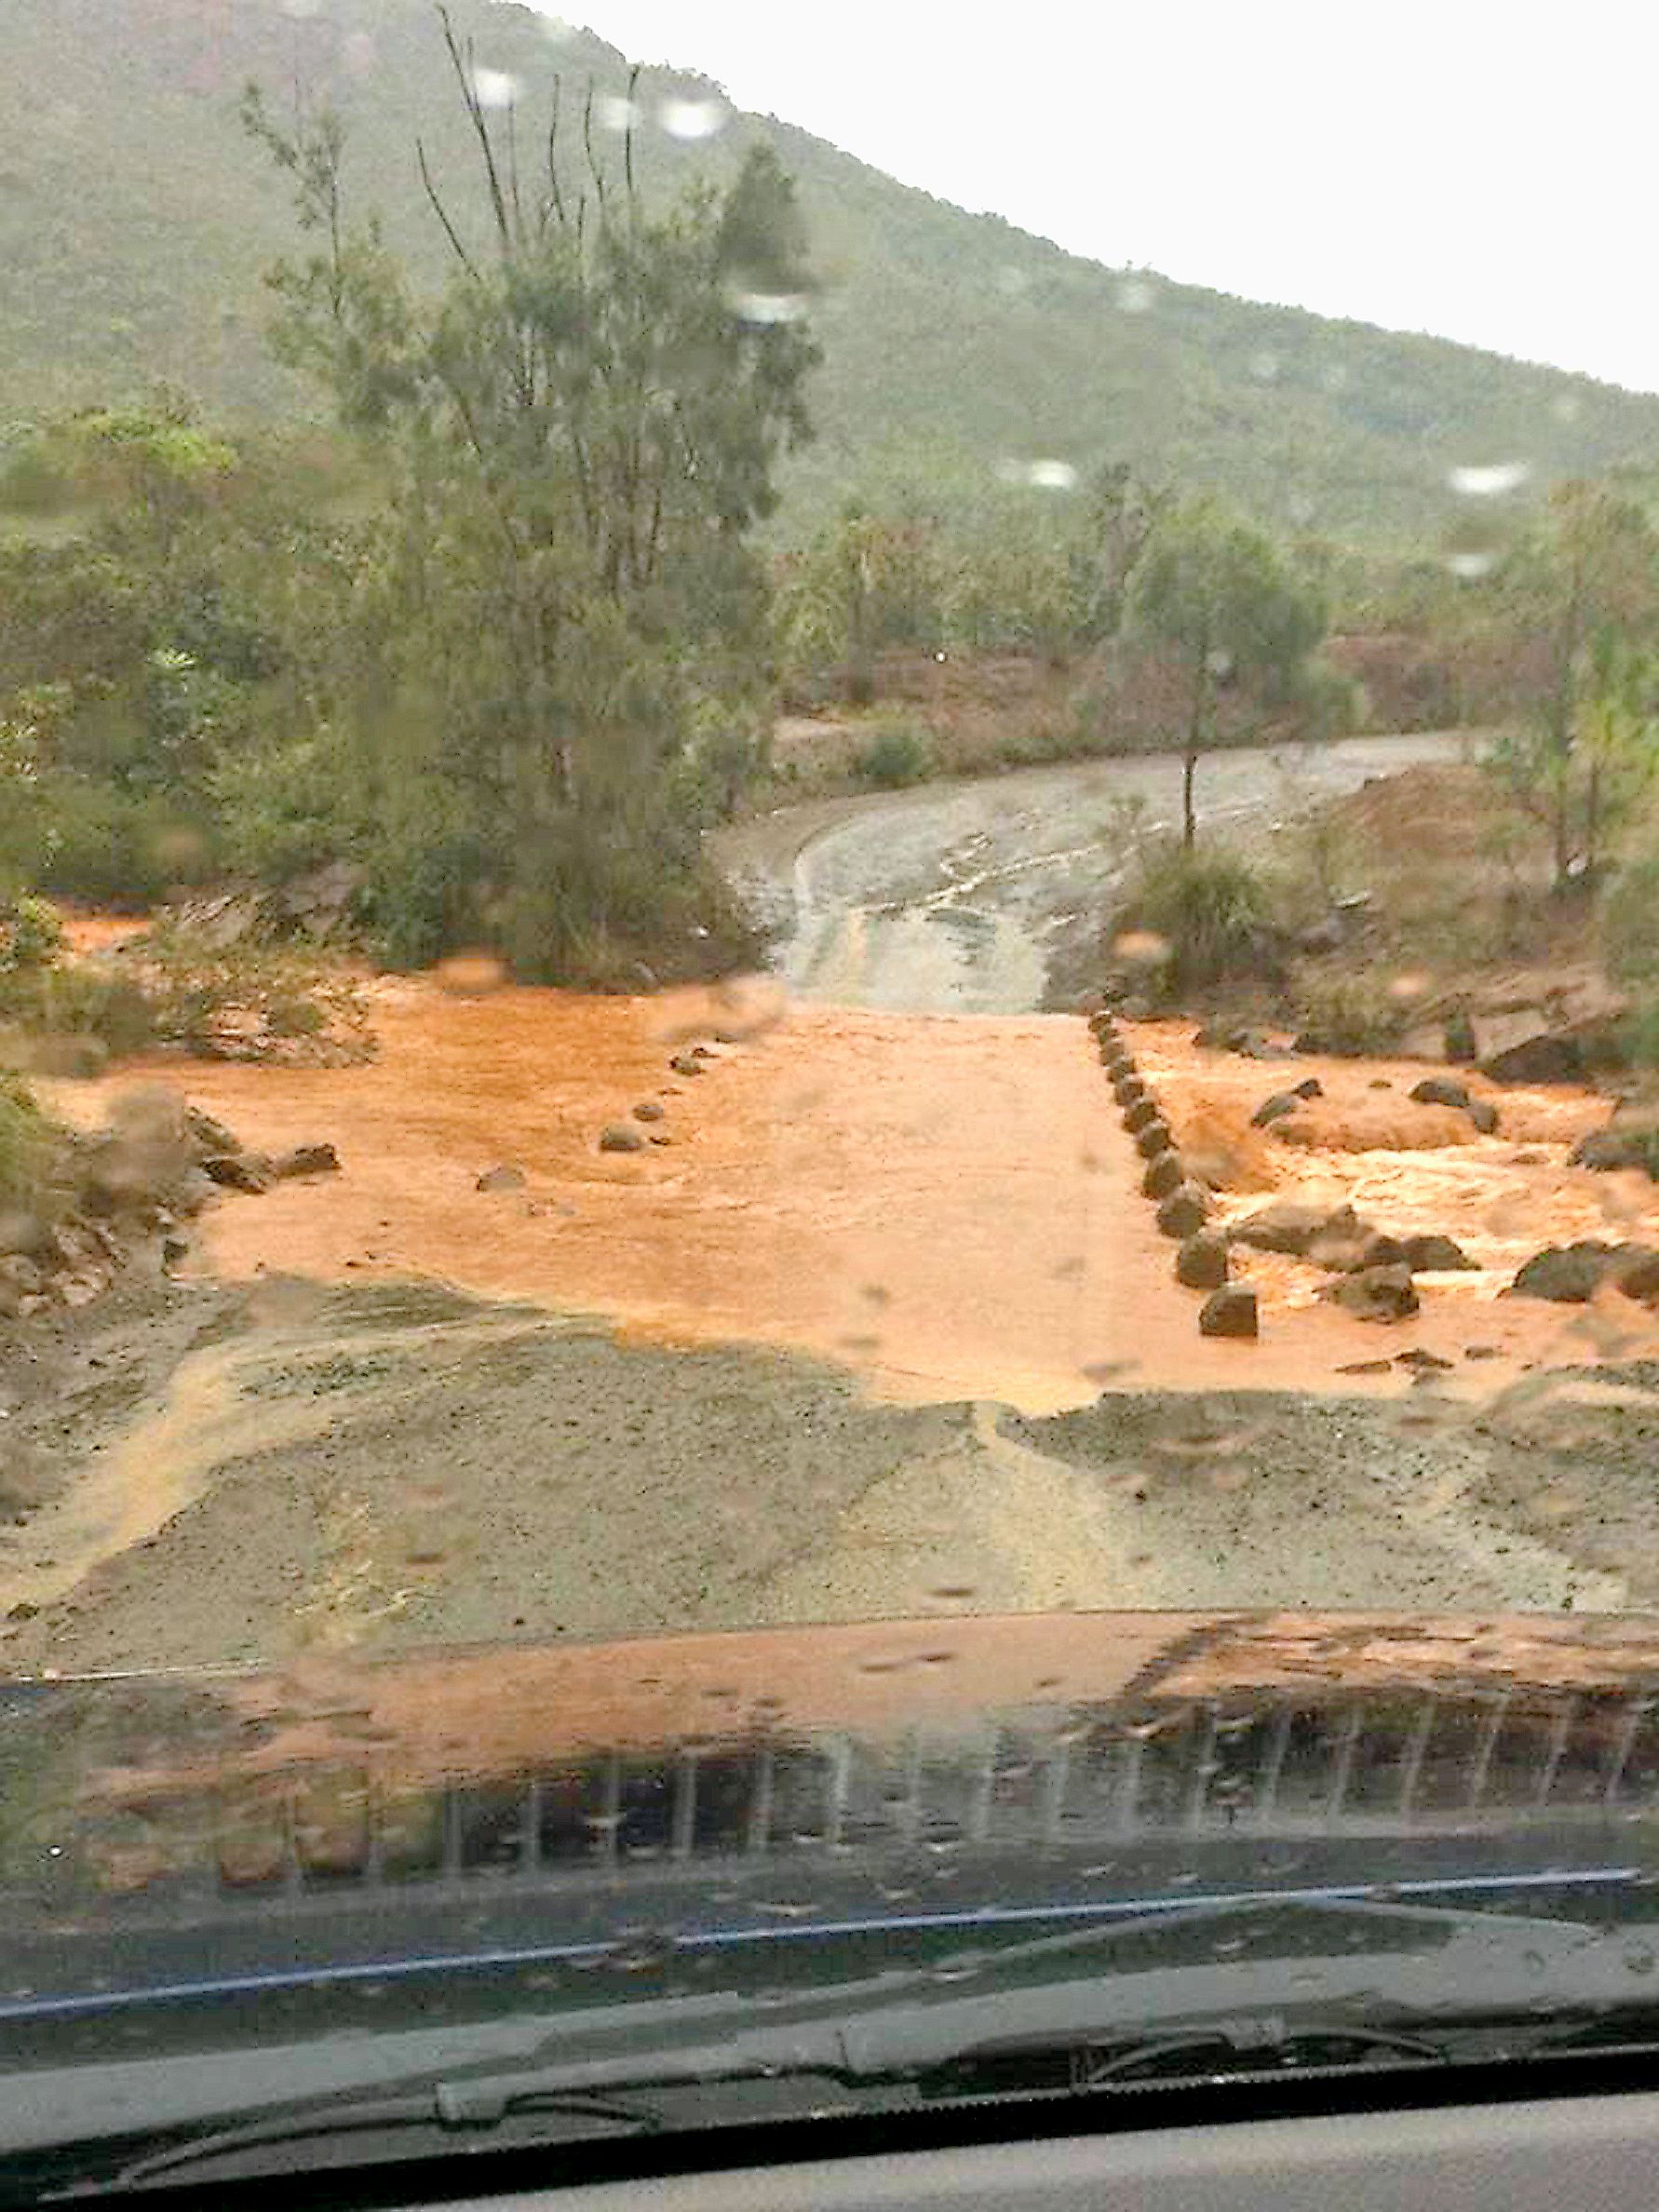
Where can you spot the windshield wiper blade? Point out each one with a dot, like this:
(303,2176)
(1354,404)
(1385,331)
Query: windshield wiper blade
(447,2108)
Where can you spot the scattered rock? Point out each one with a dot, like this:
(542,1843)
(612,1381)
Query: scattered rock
(1525,1047)
(1309,1087)
(173,1249)
(1570,1274)
(1275,1109)
(1350,1251)
(1637,1276)
(504,1178)
(1201,1263)
(1379,1082)
(1139,1115)
(1130,1089)
(1526,1159)
(1424,1363)
(1163,1175)
(1429,1254)
(620,1137)
(1218,1036)
(239,1172)
(1482,1352)
(1230,1311)
(1440,1091)
(1289,1225)
(1375,1293)
(1152,1139)
(1607,1150)
(1484,1116)
(306,1159)
(1256,1045)
(1367,1366)
(208,1135)
(1184,1212)
(1314,1043)
(21,1610)
(649,1110)
(683,1065)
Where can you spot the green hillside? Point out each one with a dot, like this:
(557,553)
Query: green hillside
(135,219)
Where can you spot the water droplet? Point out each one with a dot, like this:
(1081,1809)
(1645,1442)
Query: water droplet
(765,310)
(1488,480)
(493,87)
(693,119)
(1050,475)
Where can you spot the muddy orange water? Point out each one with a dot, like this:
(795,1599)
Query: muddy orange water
(945,1205)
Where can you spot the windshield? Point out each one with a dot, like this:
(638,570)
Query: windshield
(828,1008)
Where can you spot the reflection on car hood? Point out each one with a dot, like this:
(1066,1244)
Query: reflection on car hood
(1069,1731)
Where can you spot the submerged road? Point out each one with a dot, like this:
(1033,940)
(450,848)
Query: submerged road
(949,898)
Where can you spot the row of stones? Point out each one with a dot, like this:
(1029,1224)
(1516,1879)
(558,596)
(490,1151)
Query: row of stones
(1201,1259)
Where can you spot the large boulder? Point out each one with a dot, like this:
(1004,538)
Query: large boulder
(1375,1293)
(1527,1045)
(1637,1273)
(1343,1249)
(1570,1274)
(1230,1311)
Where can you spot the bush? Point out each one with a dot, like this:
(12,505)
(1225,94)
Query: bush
(1207,908)
(1630,922)
(1349,1013)
(29,1147)
(29,934)
(119,848)
(897,754)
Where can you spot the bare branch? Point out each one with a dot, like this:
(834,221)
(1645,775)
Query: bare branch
(628,139)
(556,199)
(442,213)
(594,169)
(462,63)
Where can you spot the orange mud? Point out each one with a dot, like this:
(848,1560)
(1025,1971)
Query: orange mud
(945,1205)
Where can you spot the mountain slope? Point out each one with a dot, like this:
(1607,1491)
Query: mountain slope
(135,219)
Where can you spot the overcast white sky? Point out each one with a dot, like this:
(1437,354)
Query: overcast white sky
(1482,168)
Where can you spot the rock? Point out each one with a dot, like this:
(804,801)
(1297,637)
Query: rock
(1201,1263)
(1256,1045)
(1427,1042)
(21,1610)
(237,1171)
(1309,1087)
(1230,1311)
(306,1159)
(1289,1225)
(1184,1212)
(683,1065)
(1440,1091)
(1379,1082)
(1423,1363)
(1314,1043)
(1352,1252)
(504,1178)
(173,1249)
(1484,1116)
(1139,1115)
(1163,1175)
(1367,1366)
(1607,1150)
(1152,1139)
(1525,1047)
(1570,1274)
(1275,1109)
(620,1137)
(703,1052)
(1129,1089)
(1436,1255)
(208,1135)
(22,1276)
(649,1110)
(1482,1352)
(1375,1293)
(320,901)
(1636,1274)
(1218,1036)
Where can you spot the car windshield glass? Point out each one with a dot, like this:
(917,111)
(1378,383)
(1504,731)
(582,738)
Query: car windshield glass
(828,1022)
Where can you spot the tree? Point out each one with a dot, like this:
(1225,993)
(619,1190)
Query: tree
(1565,623)
(580,430)
(1215,593)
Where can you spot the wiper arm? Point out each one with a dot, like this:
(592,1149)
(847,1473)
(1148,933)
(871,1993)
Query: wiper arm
(447,2107)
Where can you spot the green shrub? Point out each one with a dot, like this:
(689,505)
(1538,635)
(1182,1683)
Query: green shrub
(1349,1012)
(28,1144)
(29,934)
(1630,920)
(897,754)
(119,848)
(1207,908)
